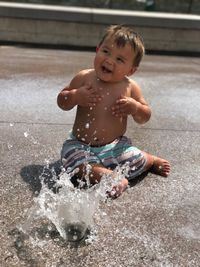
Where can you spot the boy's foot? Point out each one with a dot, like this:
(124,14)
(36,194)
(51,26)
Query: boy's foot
(119,189)
(160,167)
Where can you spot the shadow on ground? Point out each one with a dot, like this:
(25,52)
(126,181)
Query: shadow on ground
(35,174)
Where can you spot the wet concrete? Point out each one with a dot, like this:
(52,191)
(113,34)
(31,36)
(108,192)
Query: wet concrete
(155,222)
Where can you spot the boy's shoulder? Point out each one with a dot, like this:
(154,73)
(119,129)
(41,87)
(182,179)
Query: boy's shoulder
(81,78)
(85,73)
(131,83)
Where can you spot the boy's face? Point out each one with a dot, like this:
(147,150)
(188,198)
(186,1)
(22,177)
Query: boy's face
(112,63)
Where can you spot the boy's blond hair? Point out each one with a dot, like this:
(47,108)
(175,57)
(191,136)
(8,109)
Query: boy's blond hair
(124,35)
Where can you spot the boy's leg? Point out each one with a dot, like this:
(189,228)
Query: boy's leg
(95,176)
(74,151)
(157,165)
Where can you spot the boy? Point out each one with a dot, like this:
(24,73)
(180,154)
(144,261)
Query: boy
(105,96)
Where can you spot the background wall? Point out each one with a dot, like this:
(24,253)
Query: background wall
(83,27)
(174,6)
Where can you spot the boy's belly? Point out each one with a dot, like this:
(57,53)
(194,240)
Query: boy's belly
(99,131)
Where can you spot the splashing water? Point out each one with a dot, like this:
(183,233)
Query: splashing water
(30,137)
(70,209)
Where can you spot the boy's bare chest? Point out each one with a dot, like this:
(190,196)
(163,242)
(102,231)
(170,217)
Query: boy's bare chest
(109,93)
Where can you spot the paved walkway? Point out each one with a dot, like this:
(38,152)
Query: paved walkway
(155,222)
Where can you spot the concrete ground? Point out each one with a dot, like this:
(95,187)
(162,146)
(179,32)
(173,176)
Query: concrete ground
(154,223)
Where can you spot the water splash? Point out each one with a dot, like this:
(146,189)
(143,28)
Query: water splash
(70,209)
(30,137)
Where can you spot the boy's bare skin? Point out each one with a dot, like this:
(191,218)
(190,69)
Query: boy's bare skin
(105,96)
(90,125)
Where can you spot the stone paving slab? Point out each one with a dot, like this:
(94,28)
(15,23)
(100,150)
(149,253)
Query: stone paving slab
(155,222)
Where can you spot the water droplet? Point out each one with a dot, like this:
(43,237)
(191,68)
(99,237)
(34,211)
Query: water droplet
(87,126)
(75,237)
(9,146)
(26,134)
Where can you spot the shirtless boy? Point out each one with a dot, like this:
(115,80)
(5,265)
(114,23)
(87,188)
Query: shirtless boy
(105,96)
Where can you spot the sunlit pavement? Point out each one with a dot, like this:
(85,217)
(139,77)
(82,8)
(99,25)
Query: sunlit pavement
(154,223)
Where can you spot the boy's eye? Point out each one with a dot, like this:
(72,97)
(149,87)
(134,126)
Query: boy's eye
(119,59)
(105,51)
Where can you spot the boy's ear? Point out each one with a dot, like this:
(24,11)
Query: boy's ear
(132,70)
(97,49)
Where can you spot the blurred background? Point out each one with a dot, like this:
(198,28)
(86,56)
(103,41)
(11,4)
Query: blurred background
(173,6)
(167,26)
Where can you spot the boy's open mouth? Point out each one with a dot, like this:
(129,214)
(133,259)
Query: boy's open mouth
(105,69)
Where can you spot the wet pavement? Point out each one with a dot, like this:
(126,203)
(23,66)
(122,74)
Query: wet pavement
(155,222)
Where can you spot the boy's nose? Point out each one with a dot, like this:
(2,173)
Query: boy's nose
(109,60)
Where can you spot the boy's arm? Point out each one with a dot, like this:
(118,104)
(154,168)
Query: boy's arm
(67,98)
(77,93)
(141,111)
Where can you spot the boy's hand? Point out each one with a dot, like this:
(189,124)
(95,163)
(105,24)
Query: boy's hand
(125,106)
(87,96)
